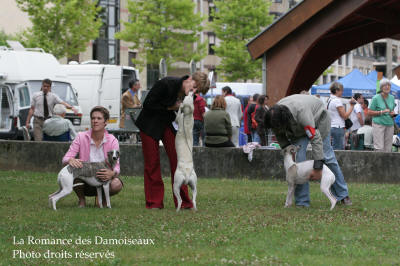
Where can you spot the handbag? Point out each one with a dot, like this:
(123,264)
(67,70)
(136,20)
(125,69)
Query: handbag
(347,123)
(395,126)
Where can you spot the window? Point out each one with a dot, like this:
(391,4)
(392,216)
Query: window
(340,61)
(211,43)
(211,11)
(348,59)
(106,47)
(24,97)
(131,55)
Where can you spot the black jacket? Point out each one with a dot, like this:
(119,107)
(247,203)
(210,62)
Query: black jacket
(154,118)
(250,110)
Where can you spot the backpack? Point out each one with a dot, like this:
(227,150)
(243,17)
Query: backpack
(254,123)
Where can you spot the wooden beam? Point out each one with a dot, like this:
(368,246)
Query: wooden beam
(284,26)
(385,16)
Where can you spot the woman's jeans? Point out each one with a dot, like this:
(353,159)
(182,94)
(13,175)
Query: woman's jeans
(198,132)
(255,137)
(338,189)
(337,138)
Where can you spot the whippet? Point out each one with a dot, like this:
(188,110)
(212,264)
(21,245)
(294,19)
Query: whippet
(185,173)
(298,173)
(88,174)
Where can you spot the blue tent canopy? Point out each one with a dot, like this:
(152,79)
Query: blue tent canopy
(395,90)
(354,82)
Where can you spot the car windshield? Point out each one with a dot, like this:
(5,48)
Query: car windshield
(62,89)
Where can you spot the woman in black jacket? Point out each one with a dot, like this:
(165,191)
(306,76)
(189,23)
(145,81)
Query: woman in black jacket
(155,124)
(259,117)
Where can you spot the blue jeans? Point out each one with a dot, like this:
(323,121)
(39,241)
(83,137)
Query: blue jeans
(255,137)
(338,189)
(337,138)
(198,131)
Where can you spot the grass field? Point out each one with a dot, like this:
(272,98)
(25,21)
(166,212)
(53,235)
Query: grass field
(238,222)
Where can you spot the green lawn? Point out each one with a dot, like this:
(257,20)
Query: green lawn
(238,222)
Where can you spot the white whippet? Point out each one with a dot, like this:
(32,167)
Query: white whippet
(88,174)
(185,173)
(298,173)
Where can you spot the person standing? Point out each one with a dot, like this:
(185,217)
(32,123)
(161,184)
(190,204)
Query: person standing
(42,105)
(234,109)
(259,117)
(357,116)
(130,99)
(199,108)
(338,115)
(252,108)
(365,107)
(381,110)
(299,119)
(246,120)
(155,124)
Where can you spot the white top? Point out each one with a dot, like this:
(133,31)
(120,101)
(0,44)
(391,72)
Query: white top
(336,119)
(37,102)
(368,137)
(234,109)
(353,116)
(97,153)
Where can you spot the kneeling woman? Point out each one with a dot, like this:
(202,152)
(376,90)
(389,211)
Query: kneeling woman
(92,146)
(217,124)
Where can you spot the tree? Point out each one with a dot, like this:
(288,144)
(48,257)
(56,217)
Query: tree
(61,27)
(3,38)
(235,23)
(163,29)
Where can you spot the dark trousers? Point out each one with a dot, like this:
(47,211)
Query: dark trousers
(198,131)
(153,184)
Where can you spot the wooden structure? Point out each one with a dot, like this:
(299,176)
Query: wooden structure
(310,37)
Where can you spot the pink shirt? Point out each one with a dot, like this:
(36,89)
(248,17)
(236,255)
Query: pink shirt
(81,145)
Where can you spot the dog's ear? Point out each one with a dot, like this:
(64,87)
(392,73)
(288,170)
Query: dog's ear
(291,172)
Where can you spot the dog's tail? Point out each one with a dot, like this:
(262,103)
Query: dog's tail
(78,184)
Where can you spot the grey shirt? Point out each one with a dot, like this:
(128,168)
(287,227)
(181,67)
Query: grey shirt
(308,113)
(57,125)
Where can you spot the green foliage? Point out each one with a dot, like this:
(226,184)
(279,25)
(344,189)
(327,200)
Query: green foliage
(163,29)
(238,221)
(4,37)
(235,23)
(61,27)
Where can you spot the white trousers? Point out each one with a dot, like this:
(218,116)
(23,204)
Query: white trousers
(382,137)
(235,136)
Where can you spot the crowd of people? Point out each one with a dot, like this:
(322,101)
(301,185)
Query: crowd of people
(298,119)
(372,124)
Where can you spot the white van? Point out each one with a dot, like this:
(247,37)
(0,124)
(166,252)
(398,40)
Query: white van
(239,88)
(21,74)
(99,84)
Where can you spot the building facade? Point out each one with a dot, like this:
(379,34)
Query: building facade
(382,55)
